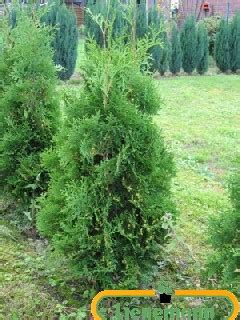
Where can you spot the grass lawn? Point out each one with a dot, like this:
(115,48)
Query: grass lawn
(200,119)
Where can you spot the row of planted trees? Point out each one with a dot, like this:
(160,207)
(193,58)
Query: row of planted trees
(173,50)
(228,45)
(177,48)
(96,182)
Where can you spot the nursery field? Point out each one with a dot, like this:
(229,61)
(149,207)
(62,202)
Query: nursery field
(200,119)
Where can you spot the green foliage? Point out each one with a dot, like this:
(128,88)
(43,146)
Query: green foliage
(106,17)
(159,52)
(110,172)
(118,17)
(222,47)
(234,43)
(92,28)
(188,43)
(141,23)
(28,111)
(225,238)
(212,24)
(163,62)
(175,57)
(65,37)
(202,49)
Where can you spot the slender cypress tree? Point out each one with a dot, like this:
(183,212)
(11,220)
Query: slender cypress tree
(188,44)
(142,25)
(175,56)
(65,39)
(202,49)
(222,47)
(234,43)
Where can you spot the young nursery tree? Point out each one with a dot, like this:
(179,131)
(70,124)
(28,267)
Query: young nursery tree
(202,49)
(189,44)
(222,47)
(225,238)
(175,56)
(234,43)
(110,172)
(28,111)
(65,39)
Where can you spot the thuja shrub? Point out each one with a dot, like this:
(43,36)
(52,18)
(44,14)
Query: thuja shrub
(222,53)
(65,39)
(225,239)
(188,44)
(142,23)
(202,49)
(28,111)
(110,173)
(234,43)
(175,56)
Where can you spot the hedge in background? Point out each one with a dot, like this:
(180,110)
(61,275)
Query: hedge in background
(202,49)
(222,53)
(65,37)
(188,44)
(28,112)
(234,43)
(110,173)
(175,56)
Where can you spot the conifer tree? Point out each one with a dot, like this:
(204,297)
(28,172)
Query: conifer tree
(202,49)
(222,47)
(160,51)
(65,37)
(28,112)
(142,24)
(110,172)
(234,43)
(188,44)
(175,56)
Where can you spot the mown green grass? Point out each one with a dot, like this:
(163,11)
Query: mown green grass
(200,119)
